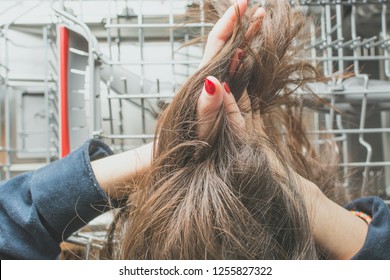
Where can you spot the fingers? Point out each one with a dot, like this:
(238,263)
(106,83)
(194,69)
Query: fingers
(240,116)
(233,113)
(214,93)
(235,61)
(256,21)
(239,54)
(222,31)
(209,104)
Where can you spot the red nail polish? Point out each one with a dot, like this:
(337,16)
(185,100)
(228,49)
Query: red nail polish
(209,86)
(241,55)
(226,86)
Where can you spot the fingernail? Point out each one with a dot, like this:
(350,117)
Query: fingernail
(226,86)
(241,55)
(209,86)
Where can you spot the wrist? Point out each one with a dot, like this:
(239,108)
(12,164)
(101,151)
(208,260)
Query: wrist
(339,233)
(117,175)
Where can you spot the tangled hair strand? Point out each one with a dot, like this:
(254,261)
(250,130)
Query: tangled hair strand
(224,197)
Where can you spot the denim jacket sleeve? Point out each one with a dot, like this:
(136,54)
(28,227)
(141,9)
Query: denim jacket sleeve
(40,209)
(377,243)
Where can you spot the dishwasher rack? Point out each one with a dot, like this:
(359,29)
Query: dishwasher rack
(344,35)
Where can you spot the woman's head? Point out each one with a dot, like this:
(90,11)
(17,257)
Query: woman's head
(232,195)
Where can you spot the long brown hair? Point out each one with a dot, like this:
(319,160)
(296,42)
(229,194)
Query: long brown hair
(223,197)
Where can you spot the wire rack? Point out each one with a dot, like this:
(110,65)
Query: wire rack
(142,65)
(28,111)
(353,35)
(125,64)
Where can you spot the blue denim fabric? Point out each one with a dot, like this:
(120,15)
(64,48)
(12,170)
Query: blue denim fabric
(40,209)
(377,243)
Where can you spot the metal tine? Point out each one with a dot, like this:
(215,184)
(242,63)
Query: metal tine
(335,44)
(79,52)
(362,141)
(140,96)
(385,36)
(141,42)
(350,43)
(344,142)
(366,42)
(382,43)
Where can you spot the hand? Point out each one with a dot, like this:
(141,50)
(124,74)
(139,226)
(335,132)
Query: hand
(224,28)
(116,174)
(222,31)
(215,93)
(338,232)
